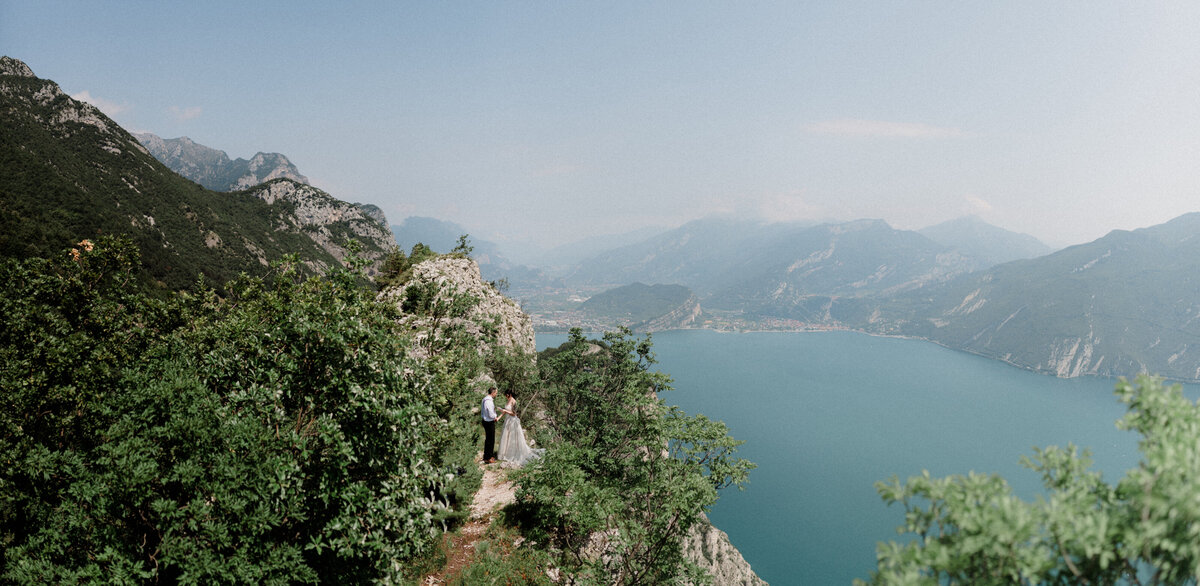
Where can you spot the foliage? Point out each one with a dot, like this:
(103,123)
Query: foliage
(504,558)
(463,248)
(1145,530)
(279,434)
(626,475)
(68,172)
(637,302)
(397,266)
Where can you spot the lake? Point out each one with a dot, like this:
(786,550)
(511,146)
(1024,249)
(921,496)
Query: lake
(827,414)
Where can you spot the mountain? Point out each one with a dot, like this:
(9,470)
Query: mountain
(991,245)
(698,254)
(645,307)
(787,272)
(68,173)
(213,169)
(1121,305)
(567,255)
(768,268)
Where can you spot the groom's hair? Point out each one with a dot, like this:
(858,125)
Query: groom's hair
(491,390)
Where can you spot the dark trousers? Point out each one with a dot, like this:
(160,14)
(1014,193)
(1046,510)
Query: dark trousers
(489,440)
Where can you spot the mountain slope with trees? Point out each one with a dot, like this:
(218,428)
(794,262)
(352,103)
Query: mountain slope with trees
(1126,303)
(69,173)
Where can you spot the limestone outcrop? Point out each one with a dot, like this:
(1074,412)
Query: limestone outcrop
(463,301)
(710,548)
(328,221)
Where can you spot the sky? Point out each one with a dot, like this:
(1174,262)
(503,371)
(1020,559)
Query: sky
(533,124)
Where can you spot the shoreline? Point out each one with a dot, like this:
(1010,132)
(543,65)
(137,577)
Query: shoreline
(827,329)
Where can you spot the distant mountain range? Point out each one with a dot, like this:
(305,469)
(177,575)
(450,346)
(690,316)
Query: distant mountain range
(213,168)
(68,172)
(1124,304)
(733,263)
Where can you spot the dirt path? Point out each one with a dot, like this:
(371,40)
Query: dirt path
(495,492)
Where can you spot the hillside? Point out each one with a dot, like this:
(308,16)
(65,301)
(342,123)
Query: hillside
(1124,304)
(738,264)
(645,307)
(68,173)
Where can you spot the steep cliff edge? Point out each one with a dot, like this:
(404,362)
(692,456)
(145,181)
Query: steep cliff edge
(328,221)
(459,298)
(462,303)
(710,548)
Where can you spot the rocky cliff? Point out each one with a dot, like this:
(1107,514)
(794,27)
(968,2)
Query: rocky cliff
(460,302)
(472,307)
(328,221)
(710,548)
(213,169)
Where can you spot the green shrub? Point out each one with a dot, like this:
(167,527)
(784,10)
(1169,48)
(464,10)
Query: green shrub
(624,472)
(279,434)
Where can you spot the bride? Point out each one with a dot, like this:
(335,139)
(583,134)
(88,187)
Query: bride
(513,448)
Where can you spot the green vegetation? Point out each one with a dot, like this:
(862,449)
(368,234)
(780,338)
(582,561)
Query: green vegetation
(285,432)
(626,475)
(637,302)
(1143,530)
(68,172)
(279,434)
(397,266)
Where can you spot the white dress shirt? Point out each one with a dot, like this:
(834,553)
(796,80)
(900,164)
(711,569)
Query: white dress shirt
(489,408)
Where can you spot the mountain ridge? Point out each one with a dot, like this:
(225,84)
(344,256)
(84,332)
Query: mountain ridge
(213,169)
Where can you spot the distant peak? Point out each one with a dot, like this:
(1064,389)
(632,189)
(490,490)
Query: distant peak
(16,67)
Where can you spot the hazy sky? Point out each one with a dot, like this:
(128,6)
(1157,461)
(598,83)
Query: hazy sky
(547,122)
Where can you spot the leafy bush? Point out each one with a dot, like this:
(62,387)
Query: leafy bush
(626,475)
(1145,530)
(280,434)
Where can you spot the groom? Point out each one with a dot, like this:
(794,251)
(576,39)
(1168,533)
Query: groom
(488,411)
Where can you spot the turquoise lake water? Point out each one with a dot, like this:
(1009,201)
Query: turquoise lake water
(827,414)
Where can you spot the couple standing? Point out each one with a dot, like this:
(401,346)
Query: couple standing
(513,447)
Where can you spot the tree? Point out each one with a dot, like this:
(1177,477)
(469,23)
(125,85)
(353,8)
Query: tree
(280,433)
(625,475)
(463,248)
(1145,530)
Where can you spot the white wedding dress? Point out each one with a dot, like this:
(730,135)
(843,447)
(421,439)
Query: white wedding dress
(513,447)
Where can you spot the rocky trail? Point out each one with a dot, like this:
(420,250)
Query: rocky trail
(494,494)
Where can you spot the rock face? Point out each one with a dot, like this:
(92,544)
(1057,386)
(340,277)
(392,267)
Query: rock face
(330,222)
(482,311)
(710,548)
(214,169)
(61,110)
